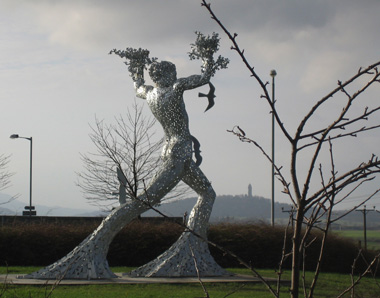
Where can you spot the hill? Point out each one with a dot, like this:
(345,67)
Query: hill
(254,208)
(9,206)
(228,208)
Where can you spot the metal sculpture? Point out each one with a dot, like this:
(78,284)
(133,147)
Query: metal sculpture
(190,255)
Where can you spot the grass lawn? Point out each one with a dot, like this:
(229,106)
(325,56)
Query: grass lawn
(373,237)
(330,285)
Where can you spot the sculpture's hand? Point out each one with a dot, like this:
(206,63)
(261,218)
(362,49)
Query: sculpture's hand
(137,75)
(204,48)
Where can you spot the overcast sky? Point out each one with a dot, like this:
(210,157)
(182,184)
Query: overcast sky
(56,76)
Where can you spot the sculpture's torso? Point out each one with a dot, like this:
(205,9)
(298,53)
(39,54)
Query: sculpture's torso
(168,107)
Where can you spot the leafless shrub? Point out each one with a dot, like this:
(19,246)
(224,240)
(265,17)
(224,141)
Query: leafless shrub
(129,145)
(314,202)
(5,175)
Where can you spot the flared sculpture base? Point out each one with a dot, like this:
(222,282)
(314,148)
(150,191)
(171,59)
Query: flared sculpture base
(188,257)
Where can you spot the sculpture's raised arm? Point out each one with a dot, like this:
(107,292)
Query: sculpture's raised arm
(204,49)
(195,81)
(139,83)
(137,61)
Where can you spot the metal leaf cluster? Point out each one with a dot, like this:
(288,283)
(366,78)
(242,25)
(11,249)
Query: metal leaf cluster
(136,58)
(205,47)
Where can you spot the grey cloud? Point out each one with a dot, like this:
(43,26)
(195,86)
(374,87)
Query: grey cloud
(137,21)
(282,14)
(96,23)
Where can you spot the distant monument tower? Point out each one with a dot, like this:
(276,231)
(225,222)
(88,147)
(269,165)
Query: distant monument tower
(249,191)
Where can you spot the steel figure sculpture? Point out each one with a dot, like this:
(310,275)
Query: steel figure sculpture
(190,255)
(165,100)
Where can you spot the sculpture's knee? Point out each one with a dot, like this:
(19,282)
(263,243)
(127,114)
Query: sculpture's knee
(209,194)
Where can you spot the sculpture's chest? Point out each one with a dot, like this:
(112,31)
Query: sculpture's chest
(161,100)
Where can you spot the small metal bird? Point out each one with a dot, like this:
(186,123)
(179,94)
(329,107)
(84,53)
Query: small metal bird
(210,96)
(197,151)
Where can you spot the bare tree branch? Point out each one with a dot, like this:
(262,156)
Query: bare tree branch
(361,275)
(251,69)
(5,175)
(311,208)
(128,145)
(237,131)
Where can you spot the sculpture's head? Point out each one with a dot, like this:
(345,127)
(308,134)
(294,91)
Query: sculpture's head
(163,73)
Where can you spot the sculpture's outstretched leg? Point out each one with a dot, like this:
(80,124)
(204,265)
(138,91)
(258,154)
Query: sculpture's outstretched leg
(189,255)
(88,260)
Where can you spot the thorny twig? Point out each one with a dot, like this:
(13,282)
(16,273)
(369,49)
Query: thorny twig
(355,207)
(251,69)
(328,220)
(4,174)
(363,171)
(343,126)
(327,194)
(284,255)
(4,287)
(237,131)
(235,291)
(361,275)
(197,269)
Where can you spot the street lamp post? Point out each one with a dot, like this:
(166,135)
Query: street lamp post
(273,73)
(30,210)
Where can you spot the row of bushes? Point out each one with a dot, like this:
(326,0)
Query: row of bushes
(140,242)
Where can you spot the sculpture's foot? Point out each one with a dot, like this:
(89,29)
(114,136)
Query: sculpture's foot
(88,260)
(189,256)
(81,263)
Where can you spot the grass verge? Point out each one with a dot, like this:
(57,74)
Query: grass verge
(330,285)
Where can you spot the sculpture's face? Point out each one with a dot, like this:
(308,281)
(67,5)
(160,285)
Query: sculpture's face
(163,73)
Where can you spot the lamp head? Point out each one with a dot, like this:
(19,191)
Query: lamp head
(273,73)
(14,136)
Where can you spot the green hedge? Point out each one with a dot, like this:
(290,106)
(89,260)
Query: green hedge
(261,245)
(140,242)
